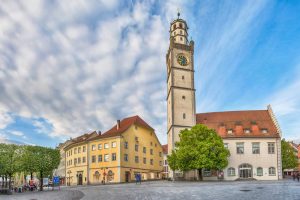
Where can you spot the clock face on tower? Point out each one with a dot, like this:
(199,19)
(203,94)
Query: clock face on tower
(182,60)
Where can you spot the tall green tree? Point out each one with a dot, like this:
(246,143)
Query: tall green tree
(10,156)
(47,159)
(199,148)
(29,160)
(289,159)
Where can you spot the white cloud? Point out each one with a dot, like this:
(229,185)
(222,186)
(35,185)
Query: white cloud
(17,133)
(83,65)
(5,119)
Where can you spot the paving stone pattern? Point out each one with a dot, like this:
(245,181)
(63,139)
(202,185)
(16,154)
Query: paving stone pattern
(167,190)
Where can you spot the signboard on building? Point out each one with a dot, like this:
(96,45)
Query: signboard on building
(56,180)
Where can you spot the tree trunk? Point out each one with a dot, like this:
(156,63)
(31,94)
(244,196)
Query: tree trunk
(31,176)
(41,181)
(5,181)
(2,181)
(9,182)
(200,174)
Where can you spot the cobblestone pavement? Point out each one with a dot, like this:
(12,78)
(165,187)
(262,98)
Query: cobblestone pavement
(265,190)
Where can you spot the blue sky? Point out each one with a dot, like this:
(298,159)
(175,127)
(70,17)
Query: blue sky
(70,67)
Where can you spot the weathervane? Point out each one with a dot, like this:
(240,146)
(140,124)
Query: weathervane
(178,12)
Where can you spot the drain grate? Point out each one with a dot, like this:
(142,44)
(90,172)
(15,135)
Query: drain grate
(245,190)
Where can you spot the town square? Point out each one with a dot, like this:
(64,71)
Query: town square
(149,99)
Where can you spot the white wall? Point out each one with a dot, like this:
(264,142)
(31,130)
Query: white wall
(264,159)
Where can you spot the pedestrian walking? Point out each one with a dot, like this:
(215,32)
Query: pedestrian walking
(298,176)
(294,176)
(136,178)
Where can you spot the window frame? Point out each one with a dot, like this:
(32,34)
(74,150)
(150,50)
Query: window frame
(271,147)
(231,171)
(100,158)
(93,159)
(106,157)
(255,149)
(259,173)
(114,144)
(126,157)
(240,147)
(113,157)
(272,169)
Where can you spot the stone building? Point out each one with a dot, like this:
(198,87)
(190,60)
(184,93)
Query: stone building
(253,137)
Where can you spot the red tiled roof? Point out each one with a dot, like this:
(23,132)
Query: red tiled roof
(165,148)
(238,121)
(81,138)
(124,125)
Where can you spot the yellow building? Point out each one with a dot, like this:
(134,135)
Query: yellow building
(76,159)
(131,147)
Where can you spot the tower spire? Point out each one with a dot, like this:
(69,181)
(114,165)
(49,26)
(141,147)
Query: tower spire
(178,13)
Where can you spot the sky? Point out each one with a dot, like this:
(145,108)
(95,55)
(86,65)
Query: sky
(71,67)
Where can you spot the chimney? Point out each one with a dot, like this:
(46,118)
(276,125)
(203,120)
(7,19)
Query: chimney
(118,124)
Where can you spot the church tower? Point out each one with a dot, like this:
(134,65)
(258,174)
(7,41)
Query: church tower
(180,79)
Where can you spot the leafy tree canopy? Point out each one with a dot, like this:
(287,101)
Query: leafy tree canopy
(289,159)
(199,148)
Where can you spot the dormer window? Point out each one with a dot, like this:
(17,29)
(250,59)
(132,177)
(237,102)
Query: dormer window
(247,131)
(229,131)
(264,130)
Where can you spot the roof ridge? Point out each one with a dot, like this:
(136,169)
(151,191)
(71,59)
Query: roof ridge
(230,111)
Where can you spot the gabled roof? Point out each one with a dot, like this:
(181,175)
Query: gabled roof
(165,148)
(124,125)
(237,121)
(81,138)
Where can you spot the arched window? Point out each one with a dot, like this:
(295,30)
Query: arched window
(259,171)
(231,171)
(110,176)
(272,171)
(96,177)
(180,25)
(174,26)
